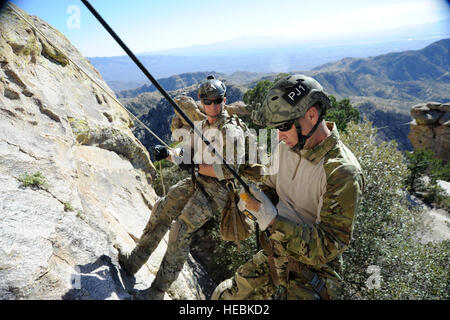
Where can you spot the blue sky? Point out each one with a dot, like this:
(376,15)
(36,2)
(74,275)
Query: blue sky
(150,25)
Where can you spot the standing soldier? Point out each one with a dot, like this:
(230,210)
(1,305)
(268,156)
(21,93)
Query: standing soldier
(319,184)
(191,202)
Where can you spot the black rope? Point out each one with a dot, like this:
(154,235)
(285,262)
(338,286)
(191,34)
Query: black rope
(158,86)
(163,92)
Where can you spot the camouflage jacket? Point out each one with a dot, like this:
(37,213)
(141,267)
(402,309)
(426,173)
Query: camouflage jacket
(317,233)
(227,134)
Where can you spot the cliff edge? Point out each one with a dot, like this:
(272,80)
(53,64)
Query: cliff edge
(74,179)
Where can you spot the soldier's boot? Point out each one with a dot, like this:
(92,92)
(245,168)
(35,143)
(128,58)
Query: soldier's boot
(168,272)
(148,294)
(172,263)
(132,261)
(154,231)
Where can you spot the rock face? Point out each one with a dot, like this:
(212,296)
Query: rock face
(431,128)
(57,236)
(194,110)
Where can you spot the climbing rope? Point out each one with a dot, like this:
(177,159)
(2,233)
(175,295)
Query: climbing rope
(88,75)
(111,95)
(394,126)
(168,98)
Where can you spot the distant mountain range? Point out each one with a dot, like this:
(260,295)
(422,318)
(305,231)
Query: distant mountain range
(384,87)
(408,76)
(264,54)
(183,80)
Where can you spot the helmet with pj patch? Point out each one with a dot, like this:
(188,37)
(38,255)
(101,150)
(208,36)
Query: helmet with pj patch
(289,99)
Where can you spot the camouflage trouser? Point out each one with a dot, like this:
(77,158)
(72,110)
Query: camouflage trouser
(191,209)
(252,282)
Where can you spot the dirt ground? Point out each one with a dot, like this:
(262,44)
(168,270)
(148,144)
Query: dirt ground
(436,221)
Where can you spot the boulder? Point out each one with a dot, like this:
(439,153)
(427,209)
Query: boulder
(445,107)
(191,108)
(238,108)
(425,115)
(434,105)
(445,119)
(430,128)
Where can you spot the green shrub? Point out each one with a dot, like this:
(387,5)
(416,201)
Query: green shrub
(229,255)
(68,206)
(436,195)
(341,113)
(424,172)
(35,180)
(80,215)
(386,230)
(255,97)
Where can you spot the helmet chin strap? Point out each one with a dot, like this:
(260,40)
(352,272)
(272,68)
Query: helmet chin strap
(301,138)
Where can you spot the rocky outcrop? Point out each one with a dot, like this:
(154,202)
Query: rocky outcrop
(194,110)
(430,128)
(92,176)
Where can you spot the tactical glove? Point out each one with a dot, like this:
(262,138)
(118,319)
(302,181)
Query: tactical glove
(266,211)
(160,152)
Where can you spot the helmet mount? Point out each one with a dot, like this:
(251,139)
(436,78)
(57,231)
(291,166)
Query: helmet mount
(212,88)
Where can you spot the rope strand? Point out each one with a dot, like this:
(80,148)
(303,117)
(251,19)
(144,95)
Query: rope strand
(89,76)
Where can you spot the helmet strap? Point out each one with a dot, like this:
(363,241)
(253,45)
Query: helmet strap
(301,138)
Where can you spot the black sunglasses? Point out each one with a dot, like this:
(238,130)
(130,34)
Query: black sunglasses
(285,126)
(215,101)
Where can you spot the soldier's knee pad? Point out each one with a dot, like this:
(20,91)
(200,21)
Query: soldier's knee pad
(220,291)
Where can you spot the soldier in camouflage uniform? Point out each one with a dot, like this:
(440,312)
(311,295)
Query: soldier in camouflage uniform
(319,183)
(190,203)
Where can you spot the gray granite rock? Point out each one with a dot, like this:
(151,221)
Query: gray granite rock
(56,238)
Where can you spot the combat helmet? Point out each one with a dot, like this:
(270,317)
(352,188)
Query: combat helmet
(212,88)
(289,99)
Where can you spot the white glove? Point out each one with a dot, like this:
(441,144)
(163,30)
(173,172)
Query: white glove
(176,155)
(266,212)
